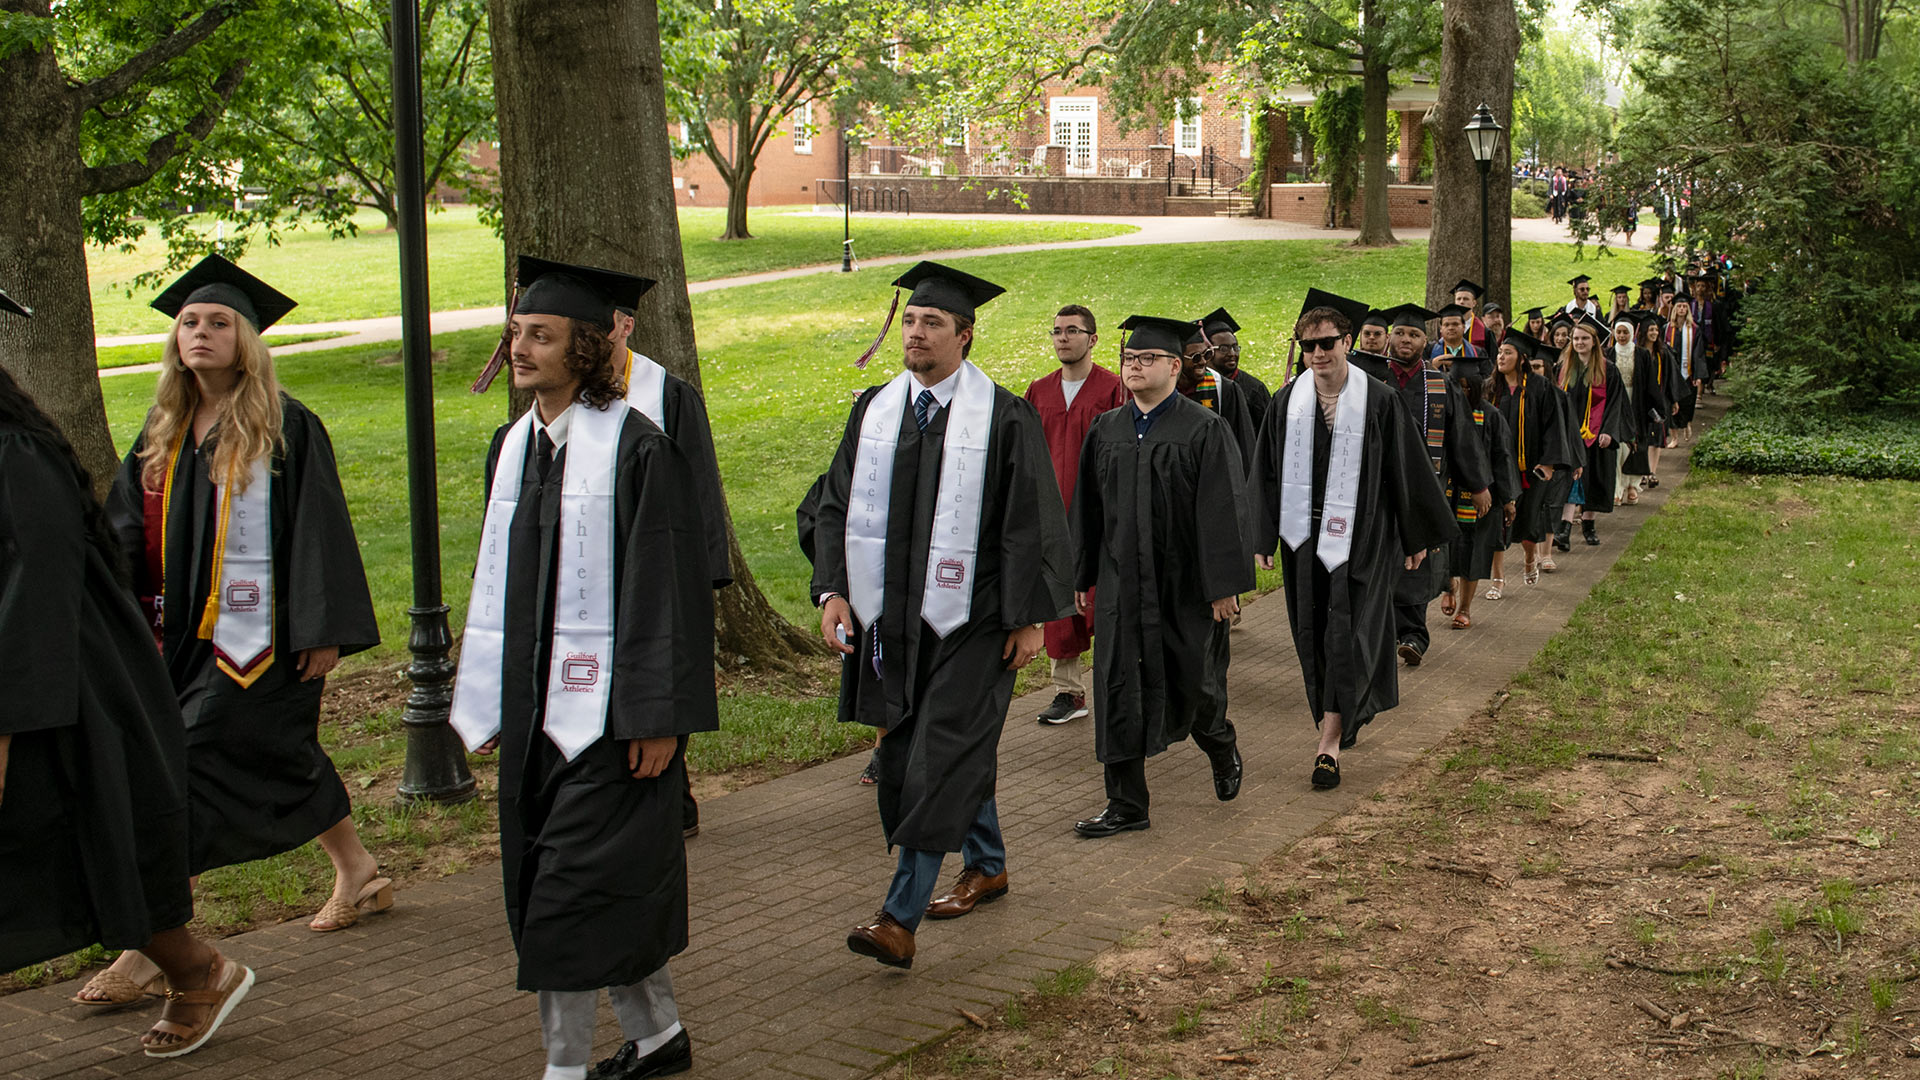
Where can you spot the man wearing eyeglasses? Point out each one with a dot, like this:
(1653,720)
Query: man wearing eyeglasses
(1223,336)
(1161,528)
(1340,479)
(1068,400)
(1200,382)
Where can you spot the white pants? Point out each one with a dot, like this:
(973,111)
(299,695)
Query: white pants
(567,1017)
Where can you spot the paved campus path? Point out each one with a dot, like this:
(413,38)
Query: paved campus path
(1152,230)
(782,869)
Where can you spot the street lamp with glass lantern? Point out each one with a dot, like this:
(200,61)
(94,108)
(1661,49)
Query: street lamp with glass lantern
(1483,139)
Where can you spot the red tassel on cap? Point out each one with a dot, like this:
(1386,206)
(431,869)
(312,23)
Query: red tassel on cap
(881,340)
(500,352)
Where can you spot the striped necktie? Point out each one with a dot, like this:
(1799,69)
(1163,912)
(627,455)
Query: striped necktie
(923,408)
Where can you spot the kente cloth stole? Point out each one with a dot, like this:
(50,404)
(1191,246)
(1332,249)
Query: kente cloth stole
(581,669)
(1433,420)
(1207,393)
(238,617)
(947,598)
(1340,512)
(647,388)
(1463,511)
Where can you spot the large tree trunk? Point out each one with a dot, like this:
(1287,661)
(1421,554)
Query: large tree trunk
(43,253)
(740,182)
(585,177)
(1376,222)
(1480,40)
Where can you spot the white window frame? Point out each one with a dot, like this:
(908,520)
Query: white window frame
(1068,111)
(802,123)
(1246,134)
(1189,121)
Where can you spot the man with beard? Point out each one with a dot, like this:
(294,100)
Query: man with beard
(1222,333)
(1067,400)
(1161,528)
(1582,297)
(933,623)
(1202,383)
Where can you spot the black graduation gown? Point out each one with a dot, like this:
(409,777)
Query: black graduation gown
(686,423)
(1472,554)
(1598,465)
(1464,465)
(1258,398)
(1234,410)
(1343,627)
(93,827)
(257,780)
(944,700)
(1543,438)
(593,860)
(1161,530)
(1652,408)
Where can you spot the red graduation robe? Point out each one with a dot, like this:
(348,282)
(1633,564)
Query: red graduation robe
(1065,427)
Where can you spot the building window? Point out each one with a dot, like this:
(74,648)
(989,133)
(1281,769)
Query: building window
(1246,134)
(1187,136)
(686,133)
(803,129)
(1075,123)
(955,129)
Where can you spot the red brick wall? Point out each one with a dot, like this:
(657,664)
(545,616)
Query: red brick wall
(781,177)
(1409,206)
(1044,195)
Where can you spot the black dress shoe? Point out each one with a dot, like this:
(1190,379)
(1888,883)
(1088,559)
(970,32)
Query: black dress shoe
(1588,533)
(1326,772)
(1563,536)
(675,1056)
(1111,821)
(1227,785)
(1411,654)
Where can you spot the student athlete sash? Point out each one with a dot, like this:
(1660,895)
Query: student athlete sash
(948,596)
(581,668)
(647,388)
(1342,507)
(238,617)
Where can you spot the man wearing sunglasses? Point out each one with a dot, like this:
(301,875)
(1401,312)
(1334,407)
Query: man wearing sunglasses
(1068,400)
(1341,480)
(1161,527)
(1201,382)
(1223,335)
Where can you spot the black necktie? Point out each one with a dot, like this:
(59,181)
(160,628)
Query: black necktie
(543,456)
(923,408)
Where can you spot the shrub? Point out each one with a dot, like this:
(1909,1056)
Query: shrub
(1869,446)
(1527,204)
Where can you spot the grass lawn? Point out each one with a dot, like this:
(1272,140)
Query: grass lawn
(1731,894)
(358,278)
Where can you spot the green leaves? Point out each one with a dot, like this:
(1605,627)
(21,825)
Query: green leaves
(1878,446)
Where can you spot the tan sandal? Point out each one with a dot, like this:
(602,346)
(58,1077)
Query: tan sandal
(1496,588)
(375,896)
(1462,622)
(123,991)
(223,993)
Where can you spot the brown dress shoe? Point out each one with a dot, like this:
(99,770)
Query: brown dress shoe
(973,888)
(885,940)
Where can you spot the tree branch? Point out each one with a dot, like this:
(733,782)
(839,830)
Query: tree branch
(105,179)
(175,45)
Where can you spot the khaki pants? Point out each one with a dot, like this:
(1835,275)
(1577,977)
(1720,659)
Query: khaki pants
(1070,676)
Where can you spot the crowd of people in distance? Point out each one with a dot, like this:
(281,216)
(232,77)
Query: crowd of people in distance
(166,650)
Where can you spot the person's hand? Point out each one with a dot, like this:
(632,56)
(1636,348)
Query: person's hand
(1509,512)
(1675,411)
(1083,603)
(1414,560)
(488,747)
(1482,502)
(315,663)
(1604,441)
(6,744)
(1264,562)
(1224,608)
(648,758)
(1546,472)
(836,617)
(1022,646)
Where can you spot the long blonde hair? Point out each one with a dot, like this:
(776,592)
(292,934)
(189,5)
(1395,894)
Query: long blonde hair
(248,421)
(1595,364)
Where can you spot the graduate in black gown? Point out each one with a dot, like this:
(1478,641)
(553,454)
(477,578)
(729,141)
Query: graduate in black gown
(1649,409)
(222,445)
(1602,419)
(1161,529)
(585,664)
(1470,560)
(1371,520)
(1204,384)
(1559,333)
(933,624)
(1535,415)
(1223,340)
(93,800)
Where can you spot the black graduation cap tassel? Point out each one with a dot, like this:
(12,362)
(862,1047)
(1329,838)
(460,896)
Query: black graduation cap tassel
(500,352)
(878,341)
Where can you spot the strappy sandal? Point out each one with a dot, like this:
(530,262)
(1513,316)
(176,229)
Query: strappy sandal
(1547,565)
(1461,622)
(1532,576)
(1446,603)
(1495,589)
(1632,498)
(1653,481)
(220,996)
(122,991)
(375,896)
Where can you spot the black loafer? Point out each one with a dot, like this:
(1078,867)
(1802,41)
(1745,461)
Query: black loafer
(1226,786)
(1326,772)
(676,1056)
(1410,654)
(1109,822)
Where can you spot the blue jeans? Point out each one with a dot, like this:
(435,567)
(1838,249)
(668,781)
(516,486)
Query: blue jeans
(919,871)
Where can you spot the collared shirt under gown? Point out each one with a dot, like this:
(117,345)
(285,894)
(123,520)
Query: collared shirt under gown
(593,860)
(948,695)
(258,782)
(93,828)
(1342,620)
(1162,528)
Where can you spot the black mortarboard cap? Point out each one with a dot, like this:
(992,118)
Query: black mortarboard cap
(1451,309)
(1354,310)
(1593,323)
(1195,335)
(1154,332)
(1618,289)
(216,280)
(1525,342)
(1471,286)
(1536,312)
(1218,321)
(1412,315)
(1562,316)
(587,293)
(1651,283)
(943,287)
(8,303)
(1376,317)
(1578,279)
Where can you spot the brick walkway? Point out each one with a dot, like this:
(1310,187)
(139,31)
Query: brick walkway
(781,870)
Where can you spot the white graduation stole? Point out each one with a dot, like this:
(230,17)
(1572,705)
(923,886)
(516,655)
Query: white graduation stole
(1341,509)
(647,388)
(948,596)
(239,612)
(581,664)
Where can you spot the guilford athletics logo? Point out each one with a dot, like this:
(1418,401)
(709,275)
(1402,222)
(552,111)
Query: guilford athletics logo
(1336,526)
(243,596)
(579,672)
(950,574)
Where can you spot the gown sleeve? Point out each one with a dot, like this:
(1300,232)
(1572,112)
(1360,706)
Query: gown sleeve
(1263,476)
(326,589)
(1088,513)
(1617,419)
(1036,553)
(1223,522)
(663,621)
(1233,410)
(1406,472)
(830,513)
(694,435)
(127,515)
(1466,453)
(42,586)
(1554,449)
(1506,469)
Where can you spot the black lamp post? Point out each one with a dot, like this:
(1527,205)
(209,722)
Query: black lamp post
(1483,138)
(436,765)
(846,202)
